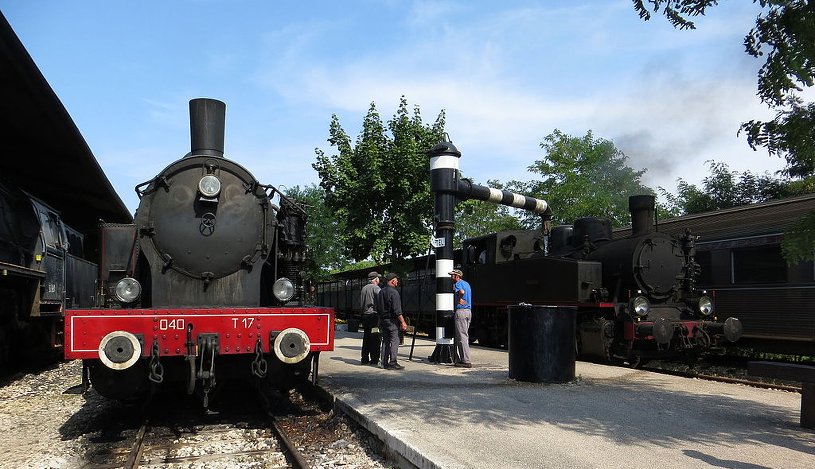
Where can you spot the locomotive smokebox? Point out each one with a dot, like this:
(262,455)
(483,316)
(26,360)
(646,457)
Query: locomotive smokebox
(642,214)
(207,118)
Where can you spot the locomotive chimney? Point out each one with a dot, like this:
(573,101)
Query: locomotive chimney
(642,214)
(207,117)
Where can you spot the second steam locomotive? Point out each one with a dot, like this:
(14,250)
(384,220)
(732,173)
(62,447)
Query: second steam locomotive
(635,298)
(197,287)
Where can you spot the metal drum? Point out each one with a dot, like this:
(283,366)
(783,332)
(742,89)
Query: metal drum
(542,343)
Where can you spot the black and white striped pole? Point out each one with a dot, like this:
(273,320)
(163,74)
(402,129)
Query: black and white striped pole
(444,157)
(447,188)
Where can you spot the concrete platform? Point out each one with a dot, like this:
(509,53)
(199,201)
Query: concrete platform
(609,417)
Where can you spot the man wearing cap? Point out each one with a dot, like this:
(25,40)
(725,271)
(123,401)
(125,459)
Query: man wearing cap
(391,320)
(370,340)
(462,317)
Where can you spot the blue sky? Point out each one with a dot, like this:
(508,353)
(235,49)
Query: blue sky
(506,73)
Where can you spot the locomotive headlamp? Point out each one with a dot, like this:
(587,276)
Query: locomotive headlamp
(127,290)
(640,306)
(209,186)
(705,306)
(283,289)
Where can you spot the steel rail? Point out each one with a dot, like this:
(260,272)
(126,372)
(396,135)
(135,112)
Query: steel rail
(134,457)
(298,460)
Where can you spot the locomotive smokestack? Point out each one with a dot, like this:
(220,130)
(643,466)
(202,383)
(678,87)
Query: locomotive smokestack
(207,117)
(642,214)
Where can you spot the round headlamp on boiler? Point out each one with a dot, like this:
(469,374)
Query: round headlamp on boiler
(209,186)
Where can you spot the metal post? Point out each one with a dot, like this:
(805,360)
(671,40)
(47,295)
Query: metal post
(447,189)
(444,163)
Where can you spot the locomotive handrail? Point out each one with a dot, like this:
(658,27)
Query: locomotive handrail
(284,197)
(138,187)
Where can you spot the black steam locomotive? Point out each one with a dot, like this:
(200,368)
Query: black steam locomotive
(195,288)
(43,270)
(636,298)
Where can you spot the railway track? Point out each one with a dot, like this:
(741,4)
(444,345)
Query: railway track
(726,374)
(177,433)
(218,445)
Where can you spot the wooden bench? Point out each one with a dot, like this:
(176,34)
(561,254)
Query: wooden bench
(803,373)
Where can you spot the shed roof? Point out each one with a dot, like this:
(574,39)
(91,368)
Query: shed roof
(42,149)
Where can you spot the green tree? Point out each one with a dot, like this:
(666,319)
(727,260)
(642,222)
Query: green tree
(477,218)
(583,177)
(380,187)
(324,233)
(725,189)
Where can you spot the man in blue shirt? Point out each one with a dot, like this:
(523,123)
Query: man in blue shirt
(463,316)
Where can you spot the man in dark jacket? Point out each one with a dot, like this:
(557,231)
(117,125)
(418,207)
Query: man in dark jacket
(371,342)
(391,320)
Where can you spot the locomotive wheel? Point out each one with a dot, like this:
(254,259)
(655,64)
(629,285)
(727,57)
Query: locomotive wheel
(128,385)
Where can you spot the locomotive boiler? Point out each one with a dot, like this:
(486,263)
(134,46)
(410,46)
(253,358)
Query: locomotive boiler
(205,283)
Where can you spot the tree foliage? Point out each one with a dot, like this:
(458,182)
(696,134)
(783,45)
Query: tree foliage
(379,186)
(583,177)
(324,233)
(725,189)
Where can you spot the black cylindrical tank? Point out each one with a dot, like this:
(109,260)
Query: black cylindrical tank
(542,343)
(596,229)
(560,237)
